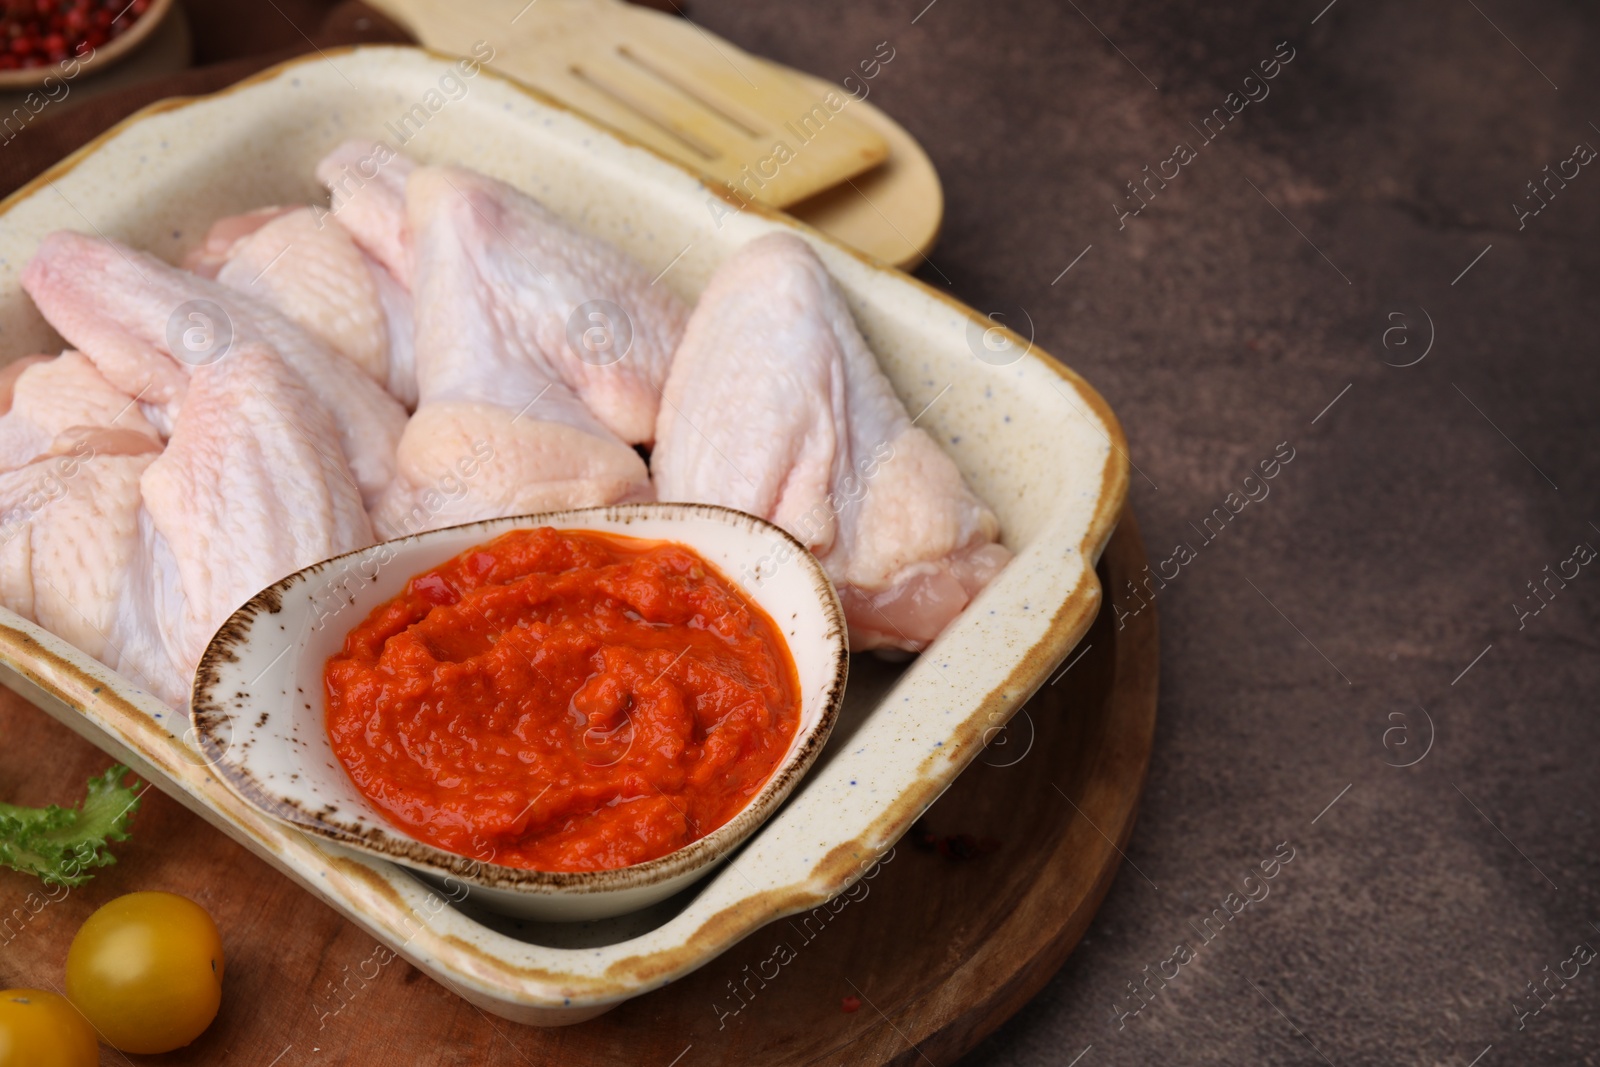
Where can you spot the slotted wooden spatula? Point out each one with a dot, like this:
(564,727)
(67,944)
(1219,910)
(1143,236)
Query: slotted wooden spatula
(666,82)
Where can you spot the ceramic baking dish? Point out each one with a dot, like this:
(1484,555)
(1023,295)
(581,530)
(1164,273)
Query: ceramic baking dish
(1036,441)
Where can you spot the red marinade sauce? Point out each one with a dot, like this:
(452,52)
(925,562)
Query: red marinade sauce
(563,700)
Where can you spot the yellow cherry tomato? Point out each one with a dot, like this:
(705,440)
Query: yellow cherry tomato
(39,1029)
(146,969)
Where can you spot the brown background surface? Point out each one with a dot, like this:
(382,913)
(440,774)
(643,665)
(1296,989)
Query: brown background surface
(1223,320)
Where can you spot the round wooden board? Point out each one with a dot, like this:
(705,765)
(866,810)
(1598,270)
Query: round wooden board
(917,963)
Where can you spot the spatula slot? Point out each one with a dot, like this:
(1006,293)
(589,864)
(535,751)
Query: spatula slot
(644,113)
(694,92)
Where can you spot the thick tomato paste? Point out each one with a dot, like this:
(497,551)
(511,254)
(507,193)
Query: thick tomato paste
(563,701)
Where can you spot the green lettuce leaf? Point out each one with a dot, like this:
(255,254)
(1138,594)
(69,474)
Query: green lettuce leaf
(61,844)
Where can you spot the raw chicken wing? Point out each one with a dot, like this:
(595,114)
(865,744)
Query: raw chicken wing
(73,559)
(531,273)
(251,487)
(777,407)
(310,270)
(63,406)
(510,419)
(122,308)
(138,558)
(367,182)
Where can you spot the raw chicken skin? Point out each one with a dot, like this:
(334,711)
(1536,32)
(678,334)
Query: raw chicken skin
(104,301)
(777,407)
(63,406)
(252,487)
(399,313)
(211,255)
(319,279)
(9,375)
(72,559)
(138,558)
(533,272)
(312,271)
(367,183)
(509,419)
(72,551)
(118,306)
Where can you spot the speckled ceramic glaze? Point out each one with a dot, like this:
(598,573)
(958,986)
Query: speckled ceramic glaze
(259,708)
(1033,438)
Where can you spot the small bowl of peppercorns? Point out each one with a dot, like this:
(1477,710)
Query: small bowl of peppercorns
(62,39)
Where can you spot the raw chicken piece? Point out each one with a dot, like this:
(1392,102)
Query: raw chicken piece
(89,291)
(462,461)
(367,181)
(399,314)
(123,308)
(312,271)
(532,273)
(212,254)
(74,557)
(777,407)
(63,406)
(137,559)
(510,420)
(9,375)
(251,487)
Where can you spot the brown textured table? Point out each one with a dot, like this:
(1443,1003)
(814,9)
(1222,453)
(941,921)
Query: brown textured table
(1340,268)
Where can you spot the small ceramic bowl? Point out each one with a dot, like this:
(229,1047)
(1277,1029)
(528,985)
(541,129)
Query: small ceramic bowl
(107,55)
(258,702)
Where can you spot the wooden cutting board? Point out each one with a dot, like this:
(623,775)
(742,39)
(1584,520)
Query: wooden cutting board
(948,937)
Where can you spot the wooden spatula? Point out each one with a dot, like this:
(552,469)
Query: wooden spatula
(666,82)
